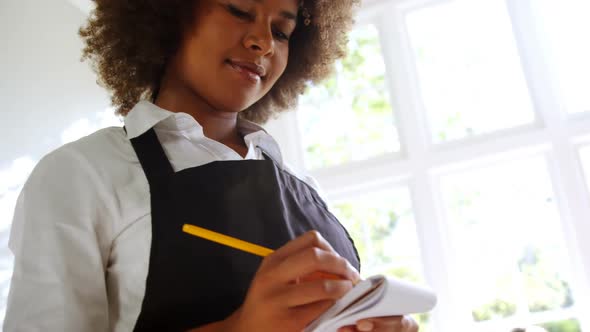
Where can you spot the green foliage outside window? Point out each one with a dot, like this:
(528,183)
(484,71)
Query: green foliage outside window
(497,308)
(571,325)
(372,222)
(350,116)
(544,287)
(370,228)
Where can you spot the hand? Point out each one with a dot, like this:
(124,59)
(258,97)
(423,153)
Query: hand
(383,324)
(280,298)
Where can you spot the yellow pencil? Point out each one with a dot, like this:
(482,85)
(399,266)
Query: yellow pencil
(227,240)
(246,246)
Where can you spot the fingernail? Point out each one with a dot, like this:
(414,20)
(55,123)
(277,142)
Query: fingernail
(365,326)
(333,286)
(358,279)
(356,275)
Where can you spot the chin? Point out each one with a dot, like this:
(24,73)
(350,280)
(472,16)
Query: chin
(234,107)
(237,105)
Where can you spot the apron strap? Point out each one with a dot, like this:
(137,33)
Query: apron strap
(152,157)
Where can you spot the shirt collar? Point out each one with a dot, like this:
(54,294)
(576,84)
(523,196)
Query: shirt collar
(256,135)
(146,115)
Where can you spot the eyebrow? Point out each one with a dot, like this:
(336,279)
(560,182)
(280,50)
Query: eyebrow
(289,15)
(286,14)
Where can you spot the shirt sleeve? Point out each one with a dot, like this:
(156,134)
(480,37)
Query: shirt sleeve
(59,239)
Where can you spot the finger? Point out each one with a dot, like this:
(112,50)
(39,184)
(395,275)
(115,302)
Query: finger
(392,323)
(365,325)
(382,324)
(318,275)
(307,240)
(315,291)
(314,259)
(309,312)
(409,324)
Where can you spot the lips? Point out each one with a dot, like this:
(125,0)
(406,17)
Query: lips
(250,67)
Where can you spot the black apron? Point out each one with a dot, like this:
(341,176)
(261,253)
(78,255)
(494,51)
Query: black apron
(191,281)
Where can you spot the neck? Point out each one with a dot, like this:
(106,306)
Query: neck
(217,125)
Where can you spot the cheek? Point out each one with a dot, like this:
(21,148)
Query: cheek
(280,62)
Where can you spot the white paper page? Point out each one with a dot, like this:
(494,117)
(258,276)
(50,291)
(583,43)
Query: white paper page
(396,298)
(349,298)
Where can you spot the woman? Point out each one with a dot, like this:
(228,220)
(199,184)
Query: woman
(97,232)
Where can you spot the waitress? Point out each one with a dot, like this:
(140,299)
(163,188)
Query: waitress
(97,234)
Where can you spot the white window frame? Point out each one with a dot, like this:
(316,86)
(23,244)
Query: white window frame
(419,165)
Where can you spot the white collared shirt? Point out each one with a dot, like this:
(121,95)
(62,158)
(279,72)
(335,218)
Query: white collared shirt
(81,233)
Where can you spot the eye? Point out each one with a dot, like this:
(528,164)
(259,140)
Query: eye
(239,13)
(280,35)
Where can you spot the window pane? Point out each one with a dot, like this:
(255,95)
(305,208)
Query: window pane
(585,157)
(567,27)
(506,234)
(571,325)
(349,117)
(383,227)
(470,76)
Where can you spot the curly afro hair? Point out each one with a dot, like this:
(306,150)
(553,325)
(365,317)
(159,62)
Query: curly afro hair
(129,42)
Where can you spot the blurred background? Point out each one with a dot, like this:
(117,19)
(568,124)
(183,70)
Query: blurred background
(453,143)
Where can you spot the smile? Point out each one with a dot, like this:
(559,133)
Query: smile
(248,71)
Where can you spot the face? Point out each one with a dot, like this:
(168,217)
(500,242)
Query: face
(236,50)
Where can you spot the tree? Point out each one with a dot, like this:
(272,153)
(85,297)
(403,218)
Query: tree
(357,96)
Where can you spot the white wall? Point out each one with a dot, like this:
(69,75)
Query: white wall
(43,85)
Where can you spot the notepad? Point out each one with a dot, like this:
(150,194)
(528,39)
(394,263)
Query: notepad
(377,296)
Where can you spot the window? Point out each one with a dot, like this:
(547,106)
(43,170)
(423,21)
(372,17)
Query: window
(356,101)
(508,242)
(474,191)
(469,73)
(383,224)
(567,26)
(585,158)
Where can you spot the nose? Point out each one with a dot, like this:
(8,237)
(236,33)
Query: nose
(259,38)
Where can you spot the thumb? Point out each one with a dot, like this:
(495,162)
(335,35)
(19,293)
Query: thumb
(365,325)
